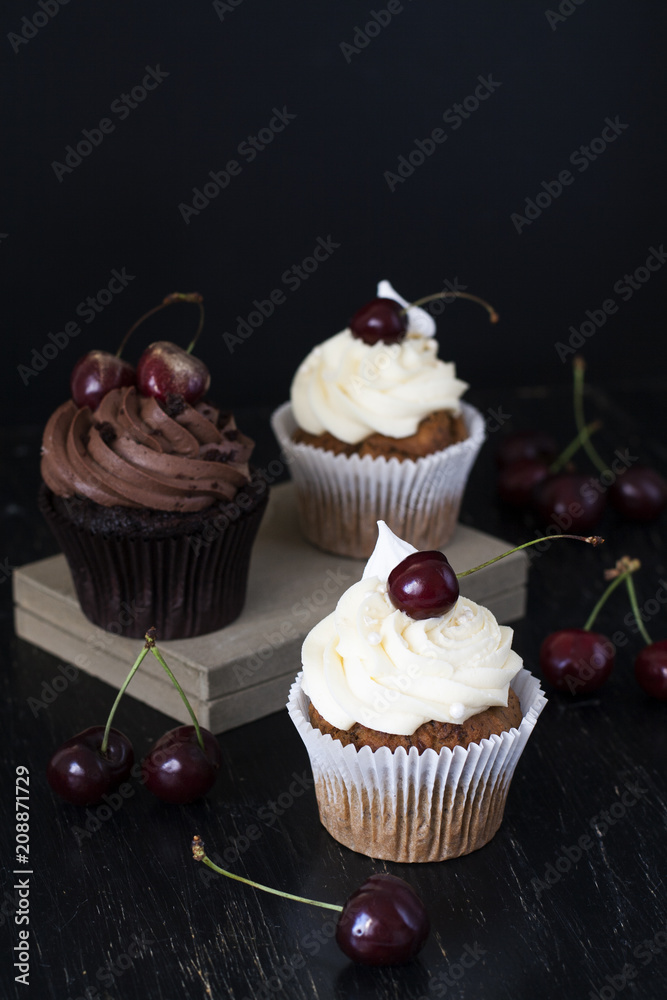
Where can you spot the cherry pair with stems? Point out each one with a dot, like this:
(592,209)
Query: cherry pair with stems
(165,370)
(579,660)
(179,768)
(530,474)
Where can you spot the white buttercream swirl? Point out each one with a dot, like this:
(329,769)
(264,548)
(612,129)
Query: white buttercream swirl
(370,663)
(352,389)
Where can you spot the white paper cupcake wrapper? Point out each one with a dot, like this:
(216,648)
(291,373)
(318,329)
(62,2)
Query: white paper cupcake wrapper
(341,497)
(407,806)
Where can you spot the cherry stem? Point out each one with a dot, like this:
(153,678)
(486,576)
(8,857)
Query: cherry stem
(574,446)
(591,539)
(603,600)
(158,656)
(578,368)
(493,315)
(199,854)
(632,594)
(168,300)
(137,663)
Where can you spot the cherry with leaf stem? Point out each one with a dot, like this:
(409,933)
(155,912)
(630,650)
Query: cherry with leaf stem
(579,660)
(424,585)
(386,320)
(94,762)
(520,478)
(182,764)
(383,922)
(165,369)
(639,493)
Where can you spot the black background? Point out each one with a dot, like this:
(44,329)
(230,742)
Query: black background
(324,176)
(450,221)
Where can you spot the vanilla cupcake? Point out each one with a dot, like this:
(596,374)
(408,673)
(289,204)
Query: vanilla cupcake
(377,431)
(413,726)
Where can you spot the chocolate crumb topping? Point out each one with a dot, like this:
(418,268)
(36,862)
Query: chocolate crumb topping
(174,404)
(131,453)
(106,432)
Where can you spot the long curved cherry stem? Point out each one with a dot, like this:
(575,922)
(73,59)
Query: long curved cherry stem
(603,600)
(574,446)
(493,315)
(168,300)
(199,854)
(591,539)
(578,368)
(158,656)
(632,594)
(137,663)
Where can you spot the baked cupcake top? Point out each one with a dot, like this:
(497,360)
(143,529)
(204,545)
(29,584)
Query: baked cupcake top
(351,389)
(372,664)
(135,452)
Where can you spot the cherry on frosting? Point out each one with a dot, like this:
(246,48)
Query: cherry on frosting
(96,374)
(423,585)
(380,319)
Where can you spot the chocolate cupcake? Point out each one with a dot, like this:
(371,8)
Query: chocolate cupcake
(414,726)
(377,431)
(156,509)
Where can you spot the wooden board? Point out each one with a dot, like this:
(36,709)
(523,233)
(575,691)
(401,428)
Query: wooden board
(242,672)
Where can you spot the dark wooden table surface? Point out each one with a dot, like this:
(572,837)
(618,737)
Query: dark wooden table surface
(118,909)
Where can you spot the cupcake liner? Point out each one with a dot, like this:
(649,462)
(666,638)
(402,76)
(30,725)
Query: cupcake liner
(407,806)
(341,497)
(185,585)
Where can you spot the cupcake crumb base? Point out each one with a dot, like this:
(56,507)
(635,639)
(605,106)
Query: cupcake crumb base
(405,806)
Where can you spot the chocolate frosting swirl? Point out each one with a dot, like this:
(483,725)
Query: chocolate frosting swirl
(132,453)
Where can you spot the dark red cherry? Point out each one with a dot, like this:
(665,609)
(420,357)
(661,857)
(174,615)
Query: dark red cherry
(165,369)
(517,480)
(81,774)
(96,374)
(651,669)
(383,923)
(380,319)
(176,770)
(571,501)
(534,445)
(423,585)
(639,493)
(576,661)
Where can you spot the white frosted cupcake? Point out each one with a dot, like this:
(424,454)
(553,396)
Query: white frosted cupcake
(413,726)
(377,431)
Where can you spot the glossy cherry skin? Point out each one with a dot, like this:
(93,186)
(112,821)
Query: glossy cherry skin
(165,369)
(380,319)
(651,669)
(423,585)
(384,922)
(526,445)
(79,773)
(571,501)
(176,770)
(577,661)
(96,374)
(639,493)
(518,480)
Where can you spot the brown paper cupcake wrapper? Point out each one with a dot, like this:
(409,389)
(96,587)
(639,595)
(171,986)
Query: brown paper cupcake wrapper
(185,585)
(407,806)
(341,497)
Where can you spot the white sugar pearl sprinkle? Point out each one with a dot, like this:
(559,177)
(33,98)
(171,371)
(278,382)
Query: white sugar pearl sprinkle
(374,638)
(456,710)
